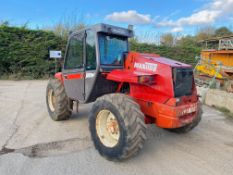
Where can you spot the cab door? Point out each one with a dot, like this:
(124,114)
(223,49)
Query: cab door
(74,71)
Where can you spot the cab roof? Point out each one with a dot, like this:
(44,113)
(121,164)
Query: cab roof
(110,29)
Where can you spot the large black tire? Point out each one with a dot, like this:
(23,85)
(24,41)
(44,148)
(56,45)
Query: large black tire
(60,109)
(189,127)
(131,126)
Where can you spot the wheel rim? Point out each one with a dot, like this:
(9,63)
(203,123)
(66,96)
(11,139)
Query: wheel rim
(107,128)
(51,100)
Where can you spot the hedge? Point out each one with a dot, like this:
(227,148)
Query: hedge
(185,54)
(24,52)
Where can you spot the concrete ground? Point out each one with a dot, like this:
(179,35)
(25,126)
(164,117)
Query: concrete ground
(31,143)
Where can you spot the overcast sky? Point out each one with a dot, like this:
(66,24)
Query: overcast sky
(148,16)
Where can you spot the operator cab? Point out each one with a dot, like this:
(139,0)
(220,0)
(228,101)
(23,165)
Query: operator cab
(89,53)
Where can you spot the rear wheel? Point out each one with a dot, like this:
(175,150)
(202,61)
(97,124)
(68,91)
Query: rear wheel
(58,104)
(117,126)
(189,127)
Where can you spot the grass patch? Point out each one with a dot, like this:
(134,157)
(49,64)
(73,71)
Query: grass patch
(224,110)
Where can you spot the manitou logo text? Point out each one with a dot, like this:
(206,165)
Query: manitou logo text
(146,66)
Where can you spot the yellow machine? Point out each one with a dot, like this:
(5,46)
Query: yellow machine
(217,62)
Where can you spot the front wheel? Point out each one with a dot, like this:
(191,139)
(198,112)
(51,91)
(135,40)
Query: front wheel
(58,104)
(117,126)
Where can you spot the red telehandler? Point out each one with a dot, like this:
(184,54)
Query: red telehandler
(129,89)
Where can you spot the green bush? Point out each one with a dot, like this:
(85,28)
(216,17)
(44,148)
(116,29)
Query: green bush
(24,52)
(184,54)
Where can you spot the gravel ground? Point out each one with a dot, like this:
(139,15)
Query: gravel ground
(31,143)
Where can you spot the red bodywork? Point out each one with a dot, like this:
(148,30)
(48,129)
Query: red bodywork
(157,100)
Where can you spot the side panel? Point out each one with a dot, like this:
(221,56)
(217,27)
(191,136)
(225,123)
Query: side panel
(102,86)
(90,79)
(223,56)
(74,85)
(147,64)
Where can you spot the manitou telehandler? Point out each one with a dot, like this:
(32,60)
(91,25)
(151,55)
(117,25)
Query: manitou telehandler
(129,89)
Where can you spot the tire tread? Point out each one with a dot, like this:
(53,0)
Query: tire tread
(134,123)
(62,111)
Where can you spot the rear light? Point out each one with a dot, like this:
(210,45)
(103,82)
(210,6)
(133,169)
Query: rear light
(173,101)
(146,79)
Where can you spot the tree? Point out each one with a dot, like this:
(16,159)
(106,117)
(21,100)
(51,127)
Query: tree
(187,41)
(167,40)
(4,23)
(63,30)
(205,33)
(223,31)
(67,24)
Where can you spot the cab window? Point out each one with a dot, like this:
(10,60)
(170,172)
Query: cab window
(90,50)
(111,49)
(74,58)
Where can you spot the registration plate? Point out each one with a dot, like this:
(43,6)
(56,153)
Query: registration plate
(190,109)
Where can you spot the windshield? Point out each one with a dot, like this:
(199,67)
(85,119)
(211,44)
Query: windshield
(111,49)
